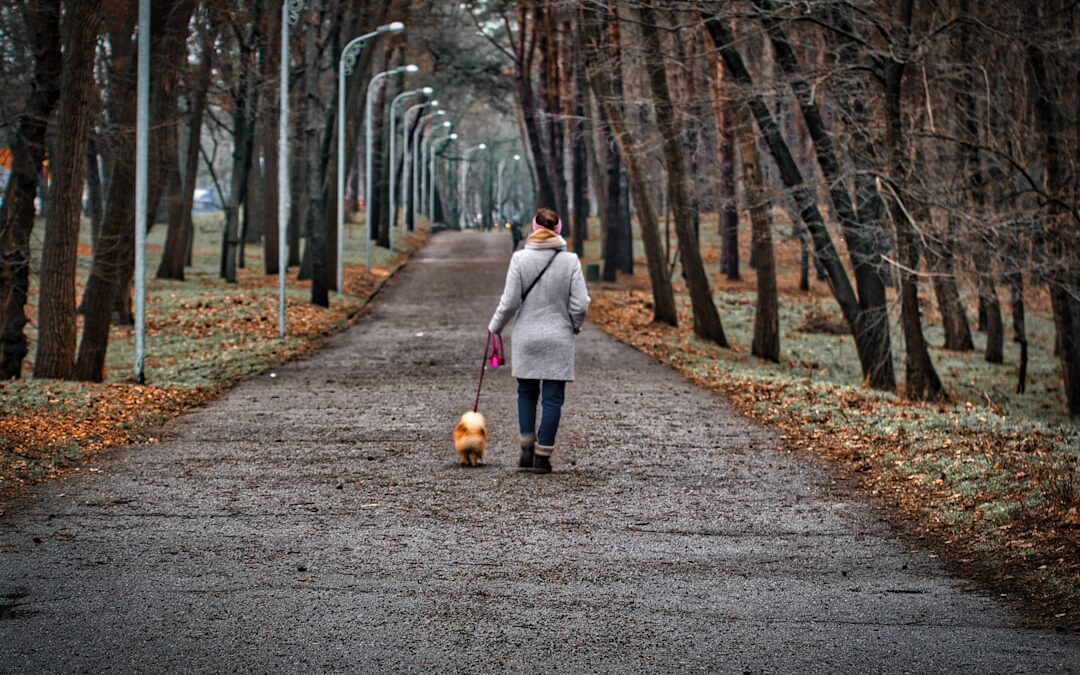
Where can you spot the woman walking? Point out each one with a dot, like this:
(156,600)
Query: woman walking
(546,288)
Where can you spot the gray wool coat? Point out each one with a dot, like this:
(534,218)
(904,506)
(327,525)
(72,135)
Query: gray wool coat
(542,342)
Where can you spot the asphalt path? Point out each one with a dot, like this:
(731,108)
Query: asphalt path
(315,520)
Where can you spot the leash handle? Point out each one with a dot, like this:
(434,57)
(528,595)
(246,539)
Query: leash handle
(497,356)
(483,367)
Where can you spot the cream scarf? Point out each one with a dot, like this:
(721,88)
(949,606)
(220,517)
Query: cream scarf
(545,239)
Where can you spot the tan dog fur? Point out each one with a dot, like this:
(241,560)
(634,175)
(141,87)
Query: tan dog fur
(470,438)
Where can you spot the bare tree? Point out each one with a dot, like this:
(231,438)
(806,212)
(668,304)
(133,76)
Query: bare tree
(28,153)
(55,356)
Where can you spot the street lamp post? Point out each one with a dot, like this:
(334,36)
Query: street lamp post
(368,111)
(463,190)
(408,156)
(290,14)
(346,64)
(435,174)
(425,178)
(142,176)
(426,91)
(499,186)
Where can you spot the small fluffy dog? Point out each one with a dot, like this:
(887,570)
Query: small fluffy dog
(470,438)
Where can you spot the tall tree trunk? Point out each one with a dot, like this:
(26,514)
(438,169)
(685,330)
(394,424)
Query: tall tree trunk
(118,227)
(17,214)
(871,329)
(549,92)
(579,134)
(267,138)
(879,372)
(706,319)
(595,153)
(169,31)
(525,52)
(298,184)
(245,98)
(55,357)
(175,256)
(253,201)
(314,222)
(615,229)
(946,290)
(972,164)
(922,382)
(600,79)
(995,326)
(380,195)
(271,237)
(729,213)
(766,344)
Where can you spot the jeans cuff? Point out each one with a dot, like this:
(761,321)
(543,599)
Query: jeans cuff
(544,450)
(528,440)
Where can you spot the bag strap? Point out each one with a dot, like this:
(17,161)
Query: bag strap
(526,292)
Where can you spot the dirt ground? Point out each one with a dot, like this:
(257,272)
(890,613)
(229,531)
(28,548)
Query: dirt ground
(315,520)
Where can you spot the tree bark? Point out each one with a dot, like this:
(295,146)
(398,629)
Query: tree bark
(1015,280)
(267,138)
(55,357)
(579,133)
(177,237)
(953,317)
(706,319)
(17,215)
(803,197)
(245,97)
(871,328)
(922,382)
(729,213)
(314,221)
(600,79)
(972,165)
(766,344)
(168,39)
(995,326)
(525,51)
(549,90)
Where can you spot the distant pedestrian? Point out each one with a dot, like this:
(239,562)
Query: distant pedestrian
(546,289)
(515,233)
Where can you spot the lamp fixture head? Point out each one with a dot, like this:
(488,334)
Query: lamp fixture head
(394,27)
(482,146)
(448,124)
(440,112)
(453,137)
(412,68)
(517,157)
(427,91)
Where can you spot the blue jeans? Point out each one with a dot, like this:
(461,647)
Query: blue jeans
(554,393)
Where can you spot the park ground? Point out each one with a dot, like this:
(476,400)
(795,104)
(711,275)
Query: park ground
(989,481)
(315,519)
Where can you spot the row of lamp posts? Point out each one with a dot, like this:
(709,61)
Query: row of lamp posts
(412,194)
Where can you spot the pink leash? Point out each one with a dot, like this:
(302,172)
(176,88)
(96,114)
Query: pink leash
(495,346)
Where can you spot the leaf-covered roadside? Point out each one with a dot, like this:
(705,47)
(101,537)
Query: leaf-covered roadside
(995,496)
(202,338)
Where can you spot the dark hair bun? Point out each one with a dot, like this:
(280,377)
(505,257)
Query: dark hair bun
(547,218)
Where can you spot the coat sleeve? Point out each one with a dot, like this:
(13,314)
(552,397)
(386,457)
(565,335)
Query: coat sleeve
(510,300)
(579,299)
